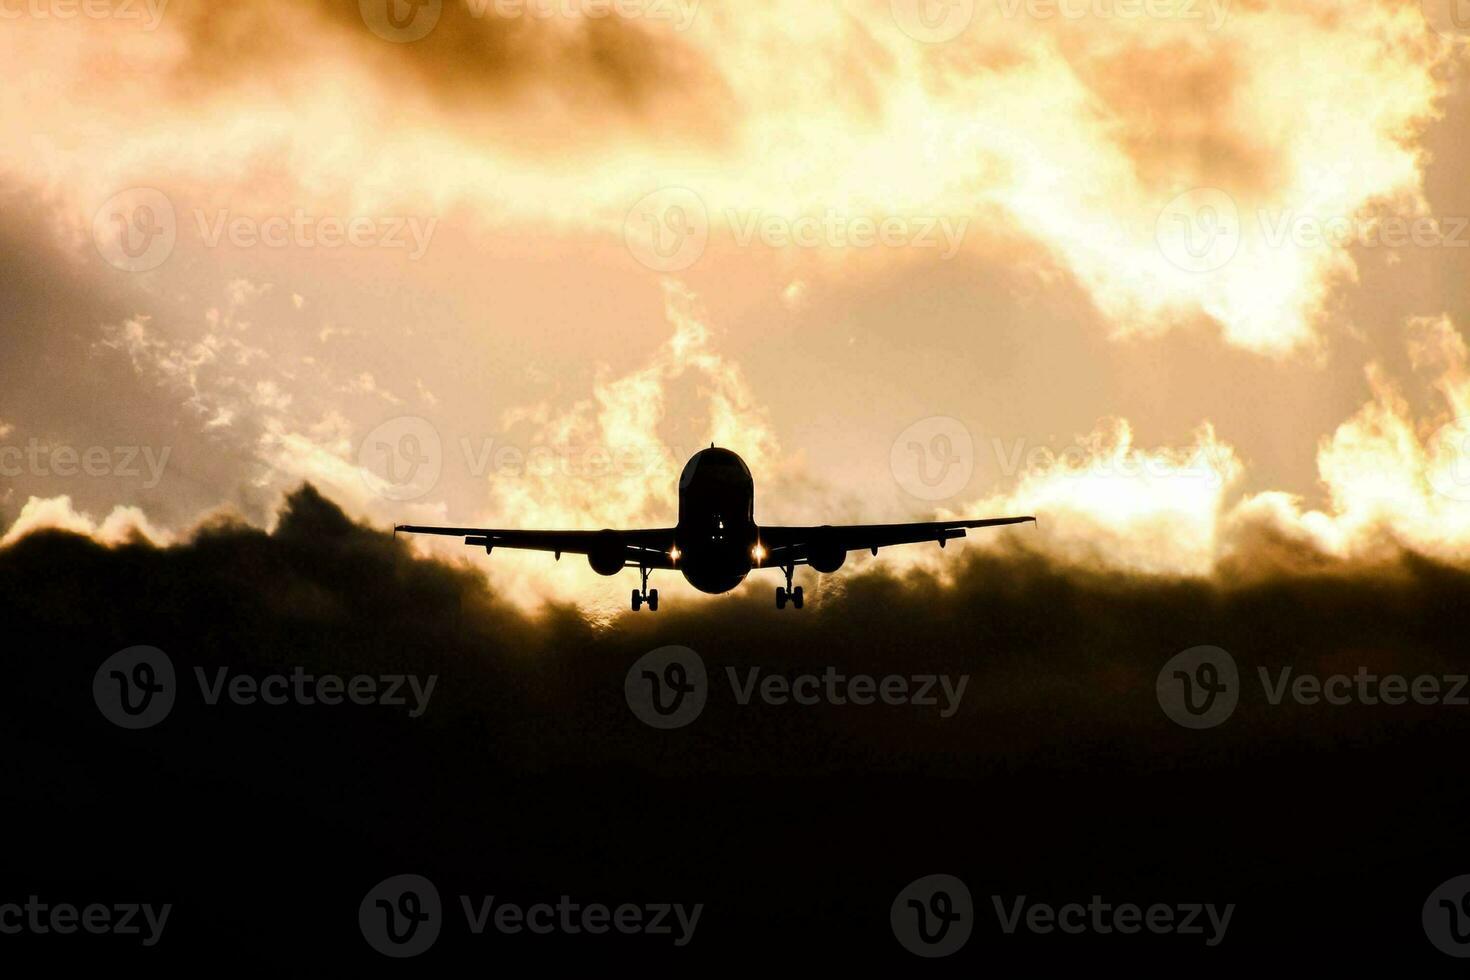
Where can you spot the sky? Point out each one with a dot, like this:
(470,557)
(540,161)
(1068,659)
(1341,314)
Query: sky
(1185,279)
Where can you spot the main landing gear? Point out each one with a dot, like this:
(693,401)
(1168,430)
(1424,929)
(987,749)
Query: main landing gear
(644,595)
(783,595)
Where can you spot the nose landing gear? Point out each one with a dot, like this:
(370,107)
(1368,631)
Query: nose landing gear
(787,593)
(645,595)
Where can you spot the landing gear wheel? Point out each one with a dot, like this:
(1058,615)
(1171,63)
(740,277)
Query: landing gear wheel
(645,595)
(785,593)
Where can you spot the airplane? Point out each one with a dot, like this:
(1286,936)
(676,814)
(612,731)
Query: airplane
(717,542)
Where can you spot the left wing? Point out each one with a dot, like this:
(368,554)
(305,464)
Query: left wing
(649,547)
(796,545)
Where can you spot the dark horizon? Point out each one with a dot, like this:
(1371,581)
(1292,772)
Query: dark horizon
(529,776)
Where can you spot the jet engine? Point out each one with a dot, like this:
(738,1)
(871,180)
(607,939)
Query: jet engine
(824,553)
(606,554)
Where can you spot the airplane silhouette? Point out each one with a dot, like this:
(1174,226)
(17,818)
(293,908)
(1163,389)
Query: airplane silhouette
(716,542)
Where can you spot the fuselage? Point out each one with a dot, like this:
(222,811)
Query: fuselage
(716,535)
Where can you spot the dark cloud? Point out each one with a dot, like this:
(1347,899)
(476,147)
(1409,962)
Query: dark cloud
(528,777)
(613,70)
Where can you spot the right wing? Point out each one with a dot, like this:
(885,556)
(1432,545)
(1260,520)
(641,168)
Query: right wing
(795,545)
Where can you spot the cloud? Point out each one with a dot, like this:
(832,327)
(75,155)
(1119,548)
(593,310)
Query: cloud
(786,110)
(528,744)
(123,525)
(1395,481)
